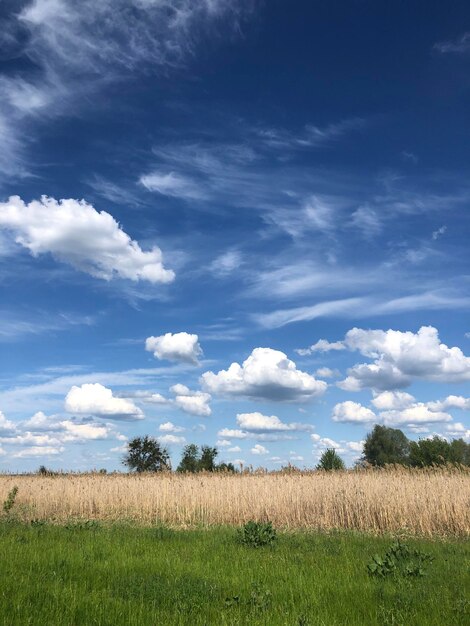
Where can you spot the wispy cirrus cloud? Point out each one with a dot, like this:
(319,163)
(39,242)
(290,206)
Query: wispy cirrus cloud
(70,49)
(460,45)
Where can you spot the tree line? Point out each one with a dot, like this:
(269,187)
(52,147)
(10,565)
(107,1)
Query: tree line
(382,446)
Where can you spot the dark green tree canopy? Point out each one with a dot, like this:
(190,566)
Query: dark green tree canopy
(146,454)
(438,451)
(330,460)
(195,460)
(386,445)
(189,459)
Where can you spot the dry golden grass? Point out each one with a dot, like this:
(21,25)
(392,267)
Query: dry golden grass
(417,502)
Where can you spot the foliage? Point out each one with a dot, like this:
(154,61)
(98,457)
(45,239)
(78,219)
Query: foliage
(257,534)
(189,459)
(10,501)
(195,460)
(438,451)
(146,454)
(330,460)
(386,445)
(226,467)
(399,560)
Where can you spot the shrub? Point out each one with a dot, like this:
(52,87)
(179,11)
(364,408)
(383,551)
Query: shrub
(10,501)
(399,560)
(257,534)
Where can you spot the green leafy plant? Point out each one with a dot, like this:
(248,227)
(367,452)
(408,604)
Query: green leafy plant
(10,501)
(399,560)
(257,534)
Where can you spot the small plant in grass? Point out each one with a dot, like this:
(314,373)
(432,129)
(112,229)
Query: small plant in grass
(10,501)
(257,534)
(399,560)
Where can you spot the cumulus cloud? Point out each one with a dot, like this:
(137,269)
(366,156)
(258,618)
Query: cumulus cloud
(74,232)
(257,422)
(389,400)
(259,449)
(182,347)
(322,345)
(266,374)
(95,399)
(6,425)
(169,427)
(352,412)
(195,403)
(451,402)
(401,357)
(418,413)
(326,372)
(172,439)
(223,443)
(234,449)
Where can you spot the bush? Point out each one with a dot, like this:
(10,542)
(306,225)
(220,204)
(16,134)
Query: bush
(257,534)
(10,501)
(399,560)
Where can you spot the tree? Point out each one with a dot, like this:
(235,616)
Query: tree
(189,459)
(146,454)
(386,445)
(439,451)
(426,452)
(195,460)
(227,468)
(207,460)
(330,460)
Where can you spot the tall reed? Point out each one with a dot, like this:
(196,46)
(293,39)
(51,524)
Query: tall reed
(417,502)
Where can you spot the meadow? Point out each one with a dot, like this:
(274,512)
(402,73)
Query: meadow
(425,502)
(166,549)
(94,574)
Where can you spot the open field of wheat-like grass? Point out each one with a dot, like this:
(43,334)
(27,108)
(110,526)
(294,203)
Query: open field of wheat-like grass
(432,502)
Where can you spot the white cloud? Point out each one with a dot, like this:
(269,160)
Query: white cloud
(172,184)
(234,449)
(223,443)
(419,413)
(389,400)
(259,449)
(401,357)
(38,451)
(226,263)
(457,430)
(257,422)
(451,402)
(95,399)
(322,345)
(182,347)
(266,374)
(237,433)
(74,232)
(322,443)
(326,372)
(169,427)
(457,46)
(172,439)
(180,390)
(76,432)
(352,412)
(195,403)
(355,446)
(6,425)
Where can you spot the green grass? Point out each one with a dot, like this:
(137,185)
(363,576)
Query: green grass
(54,576)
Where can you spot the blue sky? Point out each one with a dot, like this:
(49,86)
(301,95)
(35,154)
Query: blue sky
(231,222)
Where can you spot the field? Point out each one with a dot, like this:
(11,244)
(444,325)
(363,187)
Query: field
(433,502)
(119,575)
(164,549)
